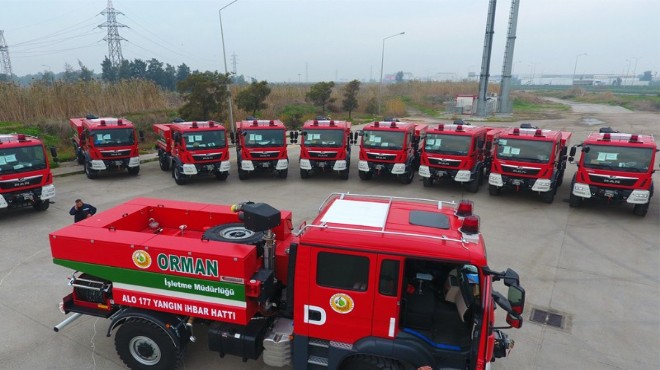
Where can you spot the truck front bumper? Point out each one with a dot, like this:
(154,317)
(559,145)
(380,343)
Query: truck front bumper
(632,196)
(518,183)
(380,167)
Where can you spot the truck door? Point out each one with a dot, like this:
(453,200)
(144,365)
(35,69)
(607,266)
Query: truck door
(386,301)
(342,288)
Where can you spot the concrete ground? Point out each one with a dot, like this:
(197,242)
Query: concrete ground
(597,265)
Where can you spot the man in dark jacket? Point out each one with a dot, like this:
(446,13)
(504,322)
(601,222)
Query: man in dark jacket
(81,211)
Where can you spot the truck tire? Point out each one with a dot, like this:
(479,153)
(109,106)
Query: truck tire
(365,175)
(233,233)
(641,209)
(282,174)
(134,170)
(89,172)
(221,176)
(493,190)
(363,362)
(574,201)
(164,162)
(41,205)
(143,345)
(80,157)
(427,181)
(343,174)
(179,178)
(407,177)
(304,174)
(548,196)
(243,175)
(473,186)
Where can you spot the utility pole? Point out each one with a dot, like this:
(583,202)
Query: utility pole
(504,103)
(113,38)
(5,62)
(233,63)
(485,61)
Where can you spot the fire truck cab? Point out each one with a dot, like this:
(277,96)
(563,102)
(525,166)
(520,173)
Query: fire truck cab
(104,144)
(325,147)
(261,147)
(390,148)
(456,152)
(25,176)
(191,149)
(615,167)
(372,282)
(529,158)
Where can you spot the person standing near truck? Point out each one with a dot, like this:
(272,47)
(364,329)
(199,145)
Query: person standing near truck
(81,210)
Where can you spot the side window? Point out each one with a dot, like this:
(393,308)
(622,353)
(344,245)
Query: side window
(388,281)
(342,271)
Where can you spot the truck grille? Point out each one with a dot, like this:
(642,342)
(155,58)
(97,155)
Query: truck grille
(115,153)
(613,180)
(444,162)
(262,155)
(381,156)
(529,171)
(207,157)
(21,182)
(322,155)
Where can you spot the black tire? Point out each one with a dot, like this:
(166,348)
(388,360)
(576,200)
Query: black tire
(233,233)
(304,174)
(164,162)
(560,178)
(221,176)
(80,157)
(407,177)
(243,175)
(641,209)
(179,178)
(89,172)
(134,170)
(142,345)
(548,196)
(363,362)
(365,175)
(41,205)
(473,186)
(574,201)
(282,174)
(343,174)
(493,190)
(427,181)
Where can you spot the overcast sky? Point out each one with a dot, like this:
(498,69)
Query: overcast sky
(339,40)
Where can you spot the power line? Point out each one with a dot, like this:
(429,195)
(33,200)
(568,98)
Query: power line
(65,30)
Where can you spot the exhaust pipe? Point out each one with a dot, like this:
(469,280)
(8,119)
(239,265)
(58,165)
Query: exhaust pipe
(67,321)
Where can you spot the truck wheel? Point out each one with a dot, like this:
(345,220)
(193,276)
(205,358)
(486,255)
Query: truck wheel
(178,177)
(407,177)
(365,175)
(282,174)
(221,176)
(548,196)
(80,157)
(641,209)
(304,174)
(362,362)
(164,162)
(233,233)
(473,186)
(134,170)
(242,175)
(91,174)
(344,174)
(574,201)
(41,205)
(143,345)
(493,190)
(427,181)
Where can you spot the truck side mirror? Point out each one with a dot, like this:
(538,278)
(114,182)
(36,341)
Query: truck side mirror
(53,153)
(141,135)
(516,298)
(572,152)
(511,278)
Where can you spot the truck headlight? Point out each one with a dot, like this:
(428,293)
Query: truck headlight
(247,166)
(134,162)
(282,164)
(3,202)
(339,165)
(399,169)
(495,179)
(363,166)
(305,164)
(189,169)
(225,166)
(98,165)
(424,171)
(48,192)
(639,197)
(581,190)
(542,185)
(462,176)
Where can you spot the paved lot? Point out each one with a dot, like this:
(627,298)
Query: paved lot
(598,265)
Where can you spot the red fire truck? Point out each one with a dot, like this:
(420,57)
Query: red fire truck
(615,167)
(25,177)
(261,147)
(529,158)
(390,148)
(373,282)
(457,152)
(325,147)
(104,144)
(193,149)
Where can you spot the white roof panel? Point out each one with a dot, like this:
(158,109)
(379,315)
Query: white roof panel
(358,213)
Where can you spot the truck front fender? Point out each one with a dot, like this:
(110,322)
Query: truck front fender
(409,351)
(173,325)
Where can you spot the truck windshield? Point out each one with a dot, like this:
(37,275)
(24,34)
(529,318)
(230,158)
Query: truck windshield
(257,138)
(383,140)
(324,138)
(205,139)
(116,137)
(524,150)
(447,144)
(23,159)
(617,158)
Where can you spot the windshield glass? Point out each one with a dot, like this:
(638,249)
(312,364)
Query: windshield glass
(382,140)
(116,137)
(524,150)
(619,158)
(257,138)
(324,138)
(447,144)
(24,159)
(205,139)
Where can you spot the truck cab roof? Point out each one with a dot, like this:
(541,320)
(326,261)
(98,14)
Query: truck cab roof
(390,126)
(452,129)
(326,124)
(535,134)
(617,138)
(16,140)
(381,224)
(103,122)
(260,124)
(191,126)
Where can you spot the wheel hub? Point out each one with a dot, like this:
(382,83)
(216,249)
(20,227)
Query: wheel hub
(145,350)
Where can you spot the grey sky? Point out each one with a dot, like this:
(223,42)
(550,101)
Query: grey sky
(339,40)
